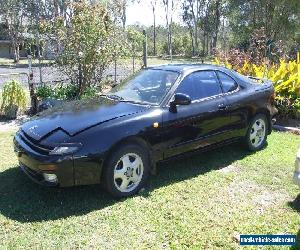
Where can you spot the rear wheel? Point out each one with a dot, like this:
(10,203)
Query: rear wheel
(126,171)
(257,133)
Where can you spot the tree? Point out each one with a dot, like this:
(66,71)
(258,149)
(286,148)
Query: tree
(153,6)
(217,16)
(169,8)
(205,16)
(279,19)
(135,42)
(191,16)
(89,43)
(12,12)
(119,7)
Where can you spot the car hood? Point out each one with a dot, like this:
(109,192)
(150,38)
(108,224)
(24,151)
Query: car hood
(77,116)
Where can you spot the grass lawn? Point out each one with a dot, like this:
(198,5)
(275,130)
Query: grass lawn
(201,202)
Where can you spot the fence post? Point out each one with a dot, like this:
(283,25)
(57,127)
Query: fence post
(145,49)
(39,58)
(115,69)
(133,64)
(80,76)
(33,98)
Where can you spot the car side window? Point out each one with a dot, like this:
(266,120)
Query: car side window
(227,82)
(199,85)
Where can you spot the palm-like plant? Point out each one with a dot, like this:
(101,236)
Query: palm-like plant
(13,97)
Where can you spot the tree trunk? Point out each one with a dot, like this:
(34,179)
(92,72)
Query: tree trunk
(192,41)
(154,32)
(270,7)
(145,50)
(133,58)
(254,14)
(207,44)
(217,24)
(170,28)
(196,42)
(168,24)
(80,79)
(16,49)
(203,44)
(196,27)
(124,15)
(170,41)
(214,42)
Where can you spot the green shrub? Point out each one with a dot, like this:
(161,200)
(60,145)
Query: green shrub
(13,94)
(287,108)
(64,92)
(43,92)
(90,92)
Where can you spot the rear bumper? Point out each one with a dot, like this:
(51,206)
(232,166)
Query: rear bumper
(296,178)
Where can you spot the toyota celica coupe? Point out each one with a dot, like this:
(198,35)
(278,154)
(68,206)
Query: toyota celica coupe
(159,113)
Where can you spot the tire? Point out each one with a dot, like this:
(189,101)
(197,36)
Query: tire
(126,170)
(257,133)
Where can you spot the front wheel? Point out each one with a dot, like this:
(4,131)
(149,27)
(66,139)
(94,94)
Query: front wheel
(126,171)
(257,133)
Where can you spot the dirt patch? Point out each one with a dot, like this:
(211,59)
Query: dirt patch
(229,169)
(258,195)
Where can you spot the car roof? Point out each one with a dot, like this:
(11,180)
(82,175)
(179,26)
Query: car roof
(180,68)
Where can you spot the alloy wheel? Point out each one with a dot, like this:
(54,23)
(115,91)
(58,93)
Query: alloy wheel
(258,133)
(128,172)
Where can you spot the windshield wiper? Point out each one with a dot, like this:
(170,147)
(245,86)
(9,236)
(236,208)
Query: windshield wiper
(114,97)
(121,99)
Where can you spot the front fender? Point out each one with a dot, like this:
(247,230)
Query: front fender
(99,140)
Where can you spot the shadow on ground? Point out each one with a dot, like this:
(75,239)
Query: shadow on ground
(295,204)
(25,201)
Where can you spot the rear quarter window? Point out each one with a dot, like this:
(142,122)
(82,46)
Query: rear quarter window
(228,83)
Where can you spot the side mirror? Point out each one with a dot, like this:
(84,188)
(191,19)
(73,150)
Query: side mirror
(179,99)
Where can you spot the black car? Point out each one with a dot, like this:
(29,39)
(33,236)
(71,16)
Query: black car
(159,113)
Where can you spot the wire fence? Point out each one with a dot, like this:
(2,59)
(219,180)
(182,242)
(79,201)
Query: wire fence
(44,73)
(21,77)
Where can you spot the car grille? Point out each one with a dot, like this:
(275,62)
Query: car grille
(34,144)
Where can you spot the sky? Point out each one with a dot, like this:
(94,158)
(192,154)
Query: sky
(142,13)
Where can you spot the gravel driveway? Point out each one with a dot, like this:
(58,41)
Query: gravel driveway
(50,74)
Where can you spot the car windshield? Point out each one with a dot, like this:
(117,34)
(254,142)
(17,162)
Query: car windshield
(147,86)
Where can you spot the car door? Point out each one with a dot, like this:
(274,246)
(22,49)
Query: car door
(201,123)
(236,104)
